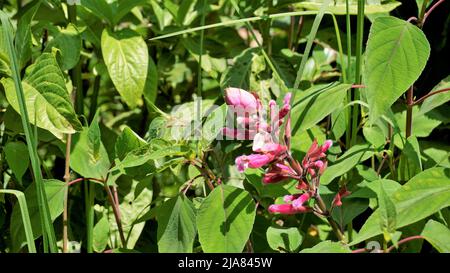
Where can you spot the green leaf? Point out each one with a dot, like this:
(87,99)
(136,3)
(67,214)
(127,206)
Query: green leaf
(151,83)
(284,238)
(387,212)
(68,41)
(127,142)
(339,7)
(423,195)
(101,234)
(438,235)
(327,247)
(23,35)
(135,198)
(238,75)
(396,54)
(176,225)
(346,162)
(16,154)
(126,57)
(214,124)
(374,135)
(99,8)
(89,157)
(55,196)
(46,96)
(410,160)
(436,100)
(125,7)
(225,220)
(314,104)
(351,208)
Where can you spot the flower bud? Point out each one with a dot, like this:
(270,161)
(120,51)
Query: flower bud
(240,98)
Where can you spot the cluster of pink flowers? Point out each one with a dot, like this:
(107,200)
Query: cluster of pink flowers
(253,125)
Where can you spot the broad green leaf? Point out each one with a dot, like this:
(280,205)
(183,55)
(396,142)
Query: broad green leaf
(89,157)
(238,75)
(135,199)
(351,207)
(162,15)
(126,142)
(423,195)
(284,238)
(55,196)
(436,100)
(126,57)
(374,135)
(68,41)
(101,234)
(211,65)
(99,8)
(435,154)
(437,235)
(346,162)
(225,220)
(396,54)
(422,124)
(16,154)
(23,35)
(410,160)
(339,7)
(339,121)
(125,7)
(176,225)
(327,247)
(46,96)
(387,212)
(314,104)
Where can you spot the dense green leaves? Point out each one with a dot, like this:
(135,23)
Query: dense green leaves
(176,225)
(396,54)
(14,154)
(225,220)
(425,194)
(126,57)
(410,161)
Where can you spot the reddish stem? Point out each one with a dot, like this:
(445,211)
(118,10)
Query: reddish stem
(84,179)
(429,95)
(404,241)
(430,10)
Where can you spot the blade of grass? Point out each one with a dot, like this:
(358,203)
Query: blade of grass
(44,211)
(25,218)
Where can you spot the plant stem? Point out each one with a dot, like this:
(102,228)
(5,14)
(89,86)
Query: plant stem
(416,237)
(66,194)
(409,109)
(116,211)
(330,220)
(359,46)
(429,95)
(348,132)
(89,208)
(425,16)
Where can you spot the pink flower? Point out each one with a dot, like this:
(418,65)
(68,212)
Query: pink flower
(253,161)
(241,98)
(300,200)
(287,209)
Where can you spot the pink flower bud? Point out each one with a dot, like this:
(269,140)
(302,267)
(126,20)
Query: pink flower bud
(288,198)
(326,145)
(240,98)
(270,178)
(287,98)
(253,161)
(318,164)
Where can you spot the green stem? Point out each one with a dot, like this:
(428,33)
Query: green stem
(330,219)
(409,110)
(359,47)
(348,132)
